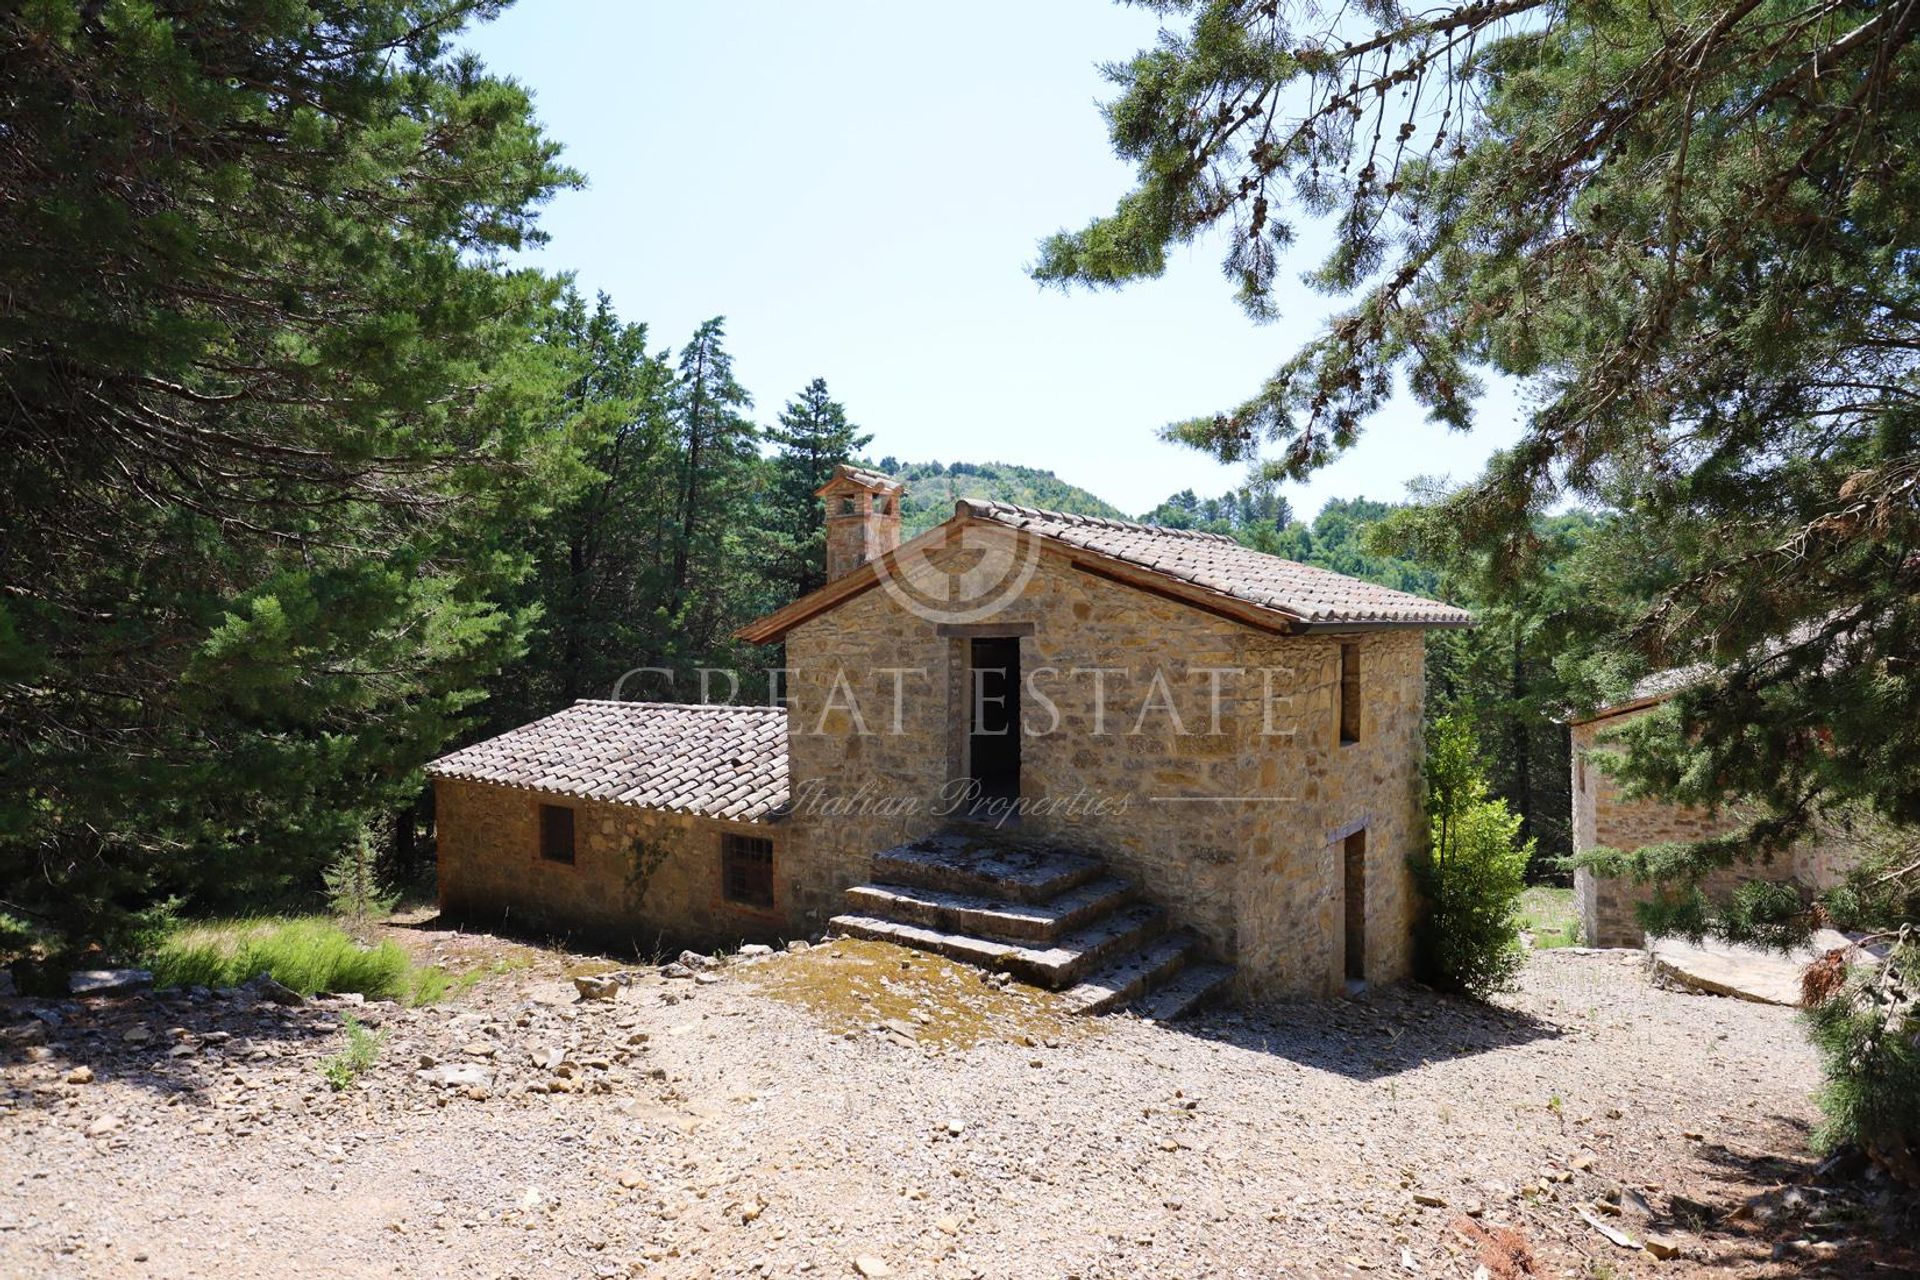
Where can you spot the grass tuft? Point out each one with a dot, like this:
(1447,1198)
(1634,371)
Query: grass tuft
(309,954)
(363,1046)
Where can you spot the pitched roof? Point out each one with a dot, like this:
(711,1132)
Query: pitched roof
(716,761)
(1218,563)
(846,473)
(1207,570)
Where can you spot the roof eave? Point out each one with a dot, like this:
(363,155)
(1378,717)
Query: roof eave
(1328,626)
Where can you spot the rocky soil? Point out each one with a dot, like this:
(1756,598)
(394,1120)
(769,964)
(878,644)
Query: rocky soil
(856,1110)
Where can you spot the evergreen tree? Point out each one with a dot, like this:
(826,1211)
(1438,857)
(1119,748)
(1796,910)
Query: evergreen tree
(721,479)
(601,557)
(271,394)
(813,437)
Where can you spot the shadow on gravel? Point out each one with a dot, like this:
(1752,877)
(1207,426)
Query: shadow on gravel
(1383,1035)
(174,1044)
(580,950)
(1839,1216)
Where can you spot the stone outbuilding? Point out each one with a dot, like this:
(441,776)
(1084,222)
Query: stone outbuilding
(1604,817)
(1091,752)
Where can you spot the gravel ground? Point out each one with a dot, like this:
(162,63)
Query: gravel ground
(860,1110)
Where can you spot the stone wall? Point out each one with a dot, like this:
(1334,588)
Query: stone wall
(1290,893)
(1256,875)
(1604,818)
(640,877)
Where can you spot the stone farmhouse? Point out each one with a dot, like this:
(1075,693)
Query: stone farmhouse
(1134,763)
(1605,818)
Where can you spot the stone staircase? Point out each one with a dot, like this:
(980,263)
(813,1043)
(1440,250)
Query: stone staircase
(1058,920)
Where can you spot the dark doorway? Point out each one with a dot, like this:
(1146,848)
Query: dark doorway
(1355,875)
(993,725)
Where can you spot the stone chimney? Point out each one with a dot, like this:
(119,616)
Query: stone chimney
(863,517)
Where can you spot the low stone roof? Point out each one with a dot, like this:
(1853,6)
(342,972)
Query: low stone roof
(1215,561)
(715,761)
(847,472)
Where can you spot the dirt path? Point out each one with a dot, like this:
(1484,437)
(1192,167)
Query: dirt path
(862,1107)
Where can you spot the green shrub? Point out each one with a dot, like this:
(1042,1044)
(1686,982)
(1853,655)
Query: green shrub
(1864,1021)
(1468,939)
(363,1046)
(306,954)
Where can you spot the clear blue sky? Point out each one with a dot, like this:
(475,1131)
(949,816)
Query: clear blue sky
(859,188)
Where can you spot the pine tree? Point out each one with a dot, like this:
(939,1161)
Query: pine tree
(721,477)
(813,437)
(271,397)
(600,557)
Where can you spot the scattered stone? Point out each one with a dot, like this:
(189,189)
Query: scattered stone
(597,986)
(947,1225)
(80,1075)
(1612,1233)
(7,990)
(871,1267)
(675,970)
(1583,1162)
(461,1075)
(104,1125)
(632,1179)
(753,950)
(107,982)
(138,1033)
(799,946)
(1428,1200)
(480,1049)
(695,960)
(1662,1248)
(263,987)
(25,1034)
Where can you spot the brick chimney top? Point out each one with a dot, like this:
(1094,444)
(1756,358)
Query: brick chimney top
(863,517)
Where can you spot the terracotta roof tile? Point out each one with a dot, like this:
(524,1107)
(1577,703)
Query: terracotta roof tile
(861,476)
(716,761)
(1218,563)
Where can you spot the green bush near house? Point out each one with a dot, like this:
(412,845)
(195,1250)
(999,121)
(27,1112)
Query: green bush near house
(1473,874)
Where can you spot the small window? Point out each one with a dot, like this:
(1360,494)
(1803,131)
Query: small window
(556,833)
(1349,693)
(746,870)
(881,505)
(847,508)
(1580,775)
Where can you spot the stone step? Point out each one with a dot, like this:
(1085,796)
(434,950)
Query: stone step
(1152,965)
(1075,955)
(1022,922)
(986,866)
(958,946)
(1186,991)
